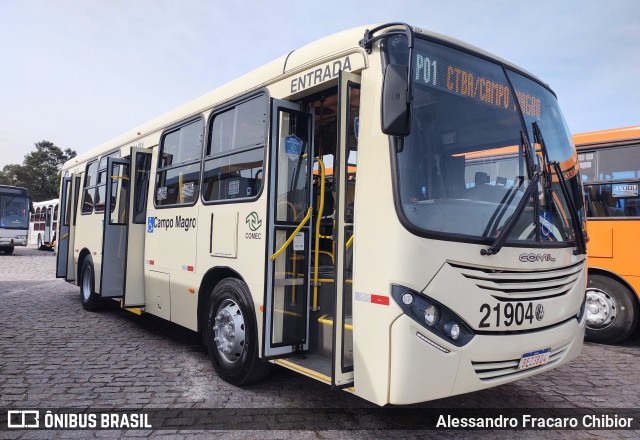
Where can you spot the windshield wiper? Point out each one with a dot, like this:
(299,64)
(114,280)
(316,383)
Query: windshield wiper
(532,174)
(502,237)
(579,237)
(581,245)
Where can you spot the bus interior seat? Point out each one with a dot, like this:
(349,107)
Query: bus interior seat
(481,178)
(596,204)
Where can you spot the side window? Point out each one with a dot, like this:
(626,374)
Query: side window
(141,189)
(90,176)
(101,184)
(235,153)
(55,216)
(178,175)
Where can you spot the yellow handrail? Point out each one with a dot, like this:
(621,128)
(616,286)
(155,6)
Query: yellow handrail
(291,237)
(349,242)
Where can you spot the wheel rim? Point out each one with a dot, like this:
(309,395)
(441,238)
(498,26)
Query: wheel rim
(601,308)
(229,331)
(86,282)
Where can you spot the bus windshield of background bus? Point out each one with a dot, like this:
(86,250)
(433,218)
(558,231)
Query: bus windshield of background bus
(14,212)
(463,169)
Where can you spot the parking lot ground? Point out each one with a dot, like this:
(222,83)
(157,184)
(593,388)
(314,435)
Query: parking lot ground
(54,354)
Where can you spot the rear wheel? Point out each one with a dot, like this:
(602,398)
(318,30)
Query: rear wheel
(90,300)
(612,310)
(231,334)
(7,250)
(40,245)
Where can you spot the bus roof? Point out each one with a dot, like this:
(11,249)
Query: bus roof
(8,189)
(602,136)
(341,43)
(45,203)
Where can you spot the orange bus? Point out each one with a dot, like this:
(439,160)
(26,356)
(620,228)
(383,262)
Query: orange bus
(610,166)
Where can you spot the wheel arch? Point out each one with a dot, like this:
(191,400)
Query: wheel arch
(83,254)
(607,273)
(209,282)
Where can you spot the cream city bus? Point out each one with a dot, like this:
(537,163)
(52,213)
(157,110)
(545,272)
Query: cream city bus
(320,214)
(43,224)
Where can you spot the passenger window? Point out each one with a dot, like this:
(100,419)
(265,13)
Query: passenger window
(101,185)
(178,176)
(235,154)
(90,176)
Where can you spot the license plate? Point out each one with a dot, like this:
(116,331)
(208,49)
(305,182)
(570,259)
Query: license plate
(534,359)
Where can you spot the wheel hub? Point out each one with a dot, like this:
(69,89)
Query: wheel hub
(601,308)
(86,283)
(229,333)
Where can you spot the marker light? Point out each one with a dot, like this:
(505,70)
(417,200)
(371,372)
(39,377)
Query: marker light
(431,315)
(453,330)
(407,298)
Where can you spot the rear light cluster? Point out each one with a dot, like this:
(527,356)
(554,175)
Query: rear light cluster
(432,315)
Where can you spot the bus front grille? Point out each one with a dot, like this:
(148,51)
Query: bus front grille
(499,370)
(521,285)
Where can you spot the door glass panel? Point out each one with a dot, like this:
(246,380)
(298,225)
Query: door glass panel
(141,190)
(292,178)
(289,290)
(119,200)
(353,112)
(347,328)
(67,199)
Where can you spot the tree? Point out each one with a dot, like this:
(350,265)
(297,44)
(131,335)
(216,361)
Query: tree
(39,172)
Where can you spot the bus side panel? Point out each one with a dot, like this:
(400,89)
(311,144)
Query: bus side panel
(89,236)
(233,236)
(613,246)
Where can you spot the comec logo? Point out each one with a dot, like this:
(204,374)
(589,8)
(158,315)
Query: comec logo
(253,221)
(532,258)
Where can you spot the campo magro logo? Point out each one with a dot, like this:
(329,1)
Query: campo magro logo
(253,221)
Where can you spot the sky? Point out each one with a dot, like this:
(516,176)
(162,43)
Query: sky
(81,72)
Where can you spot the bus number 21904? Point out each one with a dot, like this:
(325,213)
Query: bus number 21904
(508,314)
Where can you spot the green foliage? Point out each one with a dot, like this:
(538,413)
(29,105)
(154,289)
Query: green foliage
(39,172)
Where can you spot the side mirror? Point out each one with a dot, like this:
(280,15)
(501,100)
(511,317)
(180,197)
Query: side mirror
(31,210)
(396,116)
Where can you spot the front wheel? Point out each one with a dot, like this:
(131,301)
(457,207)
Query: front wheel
(40,245)
(612,310)
(231,335)
(7,250)
(90,300)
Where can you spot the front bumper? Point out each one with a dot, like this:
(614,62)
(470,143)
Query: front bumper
(426,367)
(6,241)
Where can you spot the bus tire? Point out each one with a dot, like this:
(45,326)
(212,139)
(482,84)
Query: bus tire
(8,250)
(40,245)
(231,334)
(90,300)
(612,310)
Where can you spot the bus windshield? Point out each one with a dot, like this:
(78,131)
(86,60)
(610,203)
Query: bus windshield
(14,211)
(469,160)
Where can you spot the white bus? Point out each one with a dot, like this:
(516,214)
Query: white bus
(399,276)
(44,224)
(15,205)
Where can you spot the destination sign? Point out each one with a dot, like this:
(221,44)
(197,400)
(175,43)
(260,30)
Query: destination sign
(464,82)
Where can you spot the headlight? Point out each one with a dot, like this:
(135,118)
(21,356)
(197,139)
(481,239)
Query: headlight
(432,315)
(453,330)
